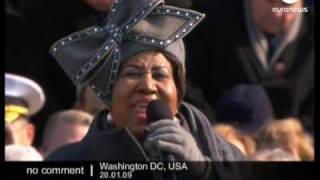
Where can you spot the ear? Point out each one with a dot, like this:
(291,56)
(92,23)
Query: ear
(31,131)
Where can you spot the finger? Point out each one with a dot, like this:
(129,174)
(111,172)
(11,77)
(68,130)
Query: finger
(164,130)
(174,138)
(170,148)
(150,146)
(162,123)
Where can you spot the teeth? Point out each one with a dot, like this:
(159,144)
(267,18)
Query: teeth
(141,104)
(141,107)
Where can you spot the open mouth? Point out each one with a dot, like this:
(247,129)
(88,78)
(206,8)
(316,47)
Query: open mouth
(140,110)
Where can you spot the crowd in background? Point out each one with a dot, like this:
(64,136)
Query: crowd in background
(250,70)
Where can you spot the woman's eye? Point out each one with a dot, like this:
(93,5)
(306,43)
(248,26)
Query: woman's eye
(159,76)
(132,74)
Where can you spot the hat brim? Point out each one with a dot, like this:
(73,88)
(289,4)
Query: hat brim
(20,87)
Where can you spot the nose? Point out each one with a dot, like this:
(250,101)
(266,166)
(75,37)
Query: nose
(147,84)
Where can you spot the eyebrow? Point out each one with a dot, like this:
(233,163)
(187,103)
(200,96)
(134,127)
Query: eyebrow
(139,67)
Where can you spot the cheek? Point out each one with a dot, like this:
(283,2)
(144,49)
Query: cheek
(16,129)
(170,94)
(19,136)
(15,136)
(122,114)
(120,106)
(120,103)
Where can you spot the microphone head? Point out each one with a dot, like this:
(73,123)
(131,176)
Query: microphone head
(158,109)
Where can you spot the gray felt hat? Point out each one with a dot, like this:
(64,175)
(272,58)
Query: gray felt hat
(93,55)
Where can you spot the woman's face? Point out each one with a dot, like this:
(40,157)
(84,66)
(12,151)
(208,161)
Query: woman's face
(143,78)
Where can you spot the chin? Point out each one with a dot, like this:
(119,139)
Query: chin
(138,132)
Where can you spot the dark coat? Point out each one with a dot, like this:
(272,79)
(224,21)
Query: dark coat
(102,145)
(221,56)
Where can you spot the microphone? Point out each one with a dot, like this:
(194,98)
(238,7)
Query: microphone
(156,110)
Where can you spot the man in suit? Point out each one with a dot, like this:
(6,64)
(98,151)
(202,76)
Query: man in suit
(246,42)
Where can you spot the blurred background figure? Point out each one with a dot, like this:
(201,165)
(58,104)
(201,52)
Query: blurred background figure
(64,127)
(289,135)
(246,107)
(23,99)
(245,42)
(244,142)
(31,28)
(273,154)
(16,152)
(88,101)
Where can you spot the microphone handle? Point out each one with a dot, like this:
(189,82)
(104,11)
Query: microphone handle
(168,158)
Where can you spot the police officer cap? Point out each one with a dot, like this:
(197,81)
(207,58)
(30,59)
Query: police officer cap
(21,91)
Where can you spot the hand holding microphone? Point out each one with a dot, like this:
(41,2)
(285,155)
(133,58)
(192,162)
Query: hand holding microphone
(168,136)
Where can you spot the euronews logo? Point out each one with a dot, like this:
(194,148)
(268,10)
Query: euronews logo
(289,1)
(289,9)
